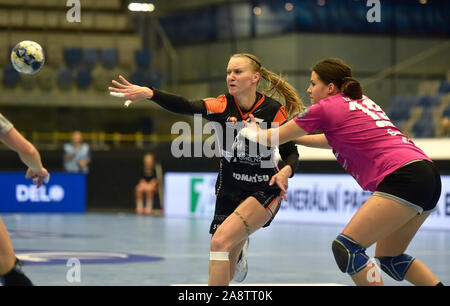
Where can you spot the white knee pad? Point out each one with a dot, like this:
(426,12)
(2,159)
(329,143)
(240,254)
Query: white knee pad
(220,256)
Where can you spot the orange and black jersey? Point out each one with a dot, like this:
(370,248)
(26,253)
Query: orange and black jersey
(249,170)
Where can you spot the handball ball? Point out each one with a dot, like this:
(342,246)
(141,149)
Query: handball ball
(27,57)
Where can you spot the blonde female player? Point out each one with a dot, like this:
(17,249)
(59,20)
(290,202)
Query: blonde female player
(405,182)
(248,194)
(10,268)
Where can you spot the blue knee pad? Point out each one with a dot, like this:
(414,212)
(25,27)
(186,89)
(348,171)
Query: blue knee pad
(396,267)
(349,255)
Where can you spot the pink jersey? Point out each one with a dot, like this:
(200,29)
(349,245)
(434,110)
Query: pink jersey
(364,140)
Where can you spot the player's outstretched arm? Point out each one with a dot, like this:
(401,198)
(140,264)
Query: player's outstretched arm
(170,102)
(28,154)
(313,141)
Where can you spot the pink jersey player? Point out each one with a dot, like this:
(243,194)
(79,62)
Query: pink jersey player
(363,139)
(406,184)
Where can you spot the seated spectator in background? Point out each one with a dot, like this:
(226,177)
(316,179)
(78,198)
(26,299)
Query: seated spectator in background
(77,155)
(445,127)
(147,188)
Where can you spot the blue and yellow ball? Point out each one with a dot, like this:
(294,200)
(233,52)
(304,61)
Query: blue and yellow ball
(27,57)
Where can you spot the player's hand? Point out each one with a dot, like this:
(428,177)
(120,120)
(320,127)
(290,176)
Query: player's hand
(250,131)
(38,177)
(130,92)
(281,179)
(252,125)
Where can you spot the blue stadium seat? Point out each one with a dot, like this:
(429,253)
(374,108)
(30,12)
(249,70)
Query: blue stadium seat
(446,112)
(394,103)
(404,101)
(399,109)
(148,77)
(444,88)
(143,58)
(109,57)
(84,78)
(73,57)
(399,115)
(156,78)
(429,101)
(10,77)
(423,129)
(90,57)
(65,78)
(427,114)
(141,77)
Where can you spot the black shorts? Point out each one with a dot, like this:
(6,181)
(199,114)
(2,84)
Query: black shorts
(229,199)
(416,185)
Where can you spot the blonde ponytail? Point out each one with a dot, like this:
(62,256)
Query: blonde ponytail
(276,84)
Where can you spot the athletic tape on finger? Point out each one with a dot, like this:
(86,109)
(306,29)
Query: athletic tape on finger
(117,94)
(249,134)
(127,103)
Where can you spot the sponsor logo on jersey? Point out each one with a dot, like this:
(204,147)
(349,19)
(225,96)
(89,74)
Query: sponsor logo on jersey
(250,178)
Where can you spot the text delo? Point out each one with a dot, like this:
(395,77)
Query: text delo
(25,193)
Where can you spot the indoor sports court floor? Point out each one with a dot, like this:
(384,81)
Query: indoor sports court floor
(125,249)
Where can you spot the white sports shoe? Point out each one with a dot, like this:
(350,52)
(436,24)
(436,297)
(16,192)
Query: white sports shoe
(242,265)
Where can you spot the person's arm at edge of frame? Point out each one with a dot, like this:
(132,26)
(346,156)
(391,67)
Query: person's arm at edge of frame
(27,152)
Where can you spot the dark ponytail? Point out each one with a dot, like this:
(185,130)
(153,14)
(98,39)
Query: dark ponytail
(351,88)
(334,70)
